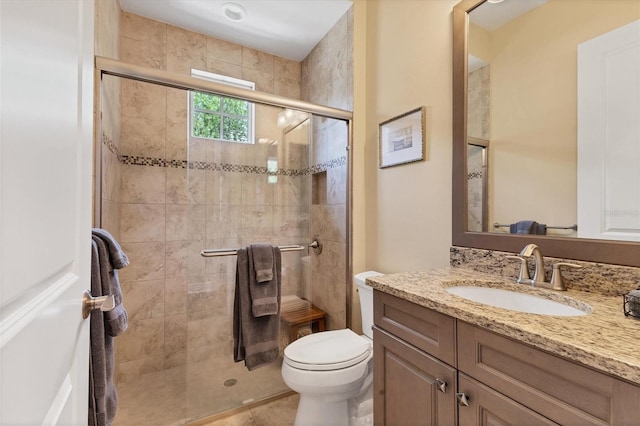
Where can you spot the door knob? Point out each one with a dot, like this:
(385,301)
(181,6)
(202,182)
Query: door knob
(89,303)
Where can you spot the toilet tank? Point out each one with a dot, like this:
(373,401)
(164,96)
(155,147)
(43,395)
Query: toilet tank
(366,300)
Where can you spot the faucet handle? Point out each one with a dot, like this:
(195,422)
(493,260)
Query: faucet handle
(523,276)
(557,282)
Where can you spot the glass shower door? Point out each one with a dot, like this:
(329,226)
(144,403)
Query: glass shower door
(241,192)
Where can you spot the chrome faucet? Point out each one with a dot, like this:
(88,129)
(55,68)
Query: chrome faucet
(557,283)
(538,266)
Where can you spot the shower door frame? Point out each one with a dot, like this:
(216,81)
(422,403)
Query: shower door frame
(164,78)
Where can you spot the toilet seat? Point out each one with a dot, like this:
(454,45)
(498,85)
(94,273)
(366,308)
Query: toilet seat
(328,350)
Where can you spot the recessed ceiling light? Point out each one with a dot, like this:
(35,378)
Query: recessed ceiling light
(234,11)
(494,1)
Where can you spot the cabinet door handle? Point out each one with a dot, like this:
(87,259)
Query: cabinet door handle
(442,385)
(463,399)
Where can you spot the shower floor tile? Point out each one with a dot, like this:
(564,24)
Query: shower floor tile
(183,394)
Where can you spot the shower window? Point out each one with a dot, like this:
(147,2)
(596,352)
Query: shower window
(220,117)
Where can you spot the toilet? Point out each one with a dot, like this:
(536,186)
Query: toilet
(333,370)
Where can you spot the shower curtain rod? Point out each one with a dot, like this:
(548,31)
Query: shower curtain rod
(185,82)
(233,252)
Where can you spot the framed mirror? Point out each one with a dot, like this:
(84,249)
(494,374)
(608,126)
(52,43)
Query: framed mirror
(553,173)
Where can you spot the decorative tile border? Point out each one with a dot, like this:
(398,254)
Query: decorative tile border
(331,164)
(219,167)
(474,175)
(108,142)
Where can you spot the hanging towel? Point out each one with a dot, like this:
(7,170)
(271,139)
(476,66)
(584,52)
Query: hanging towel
(264,294)
(262,257)
(117,257)
(115,320)
(255,339)
(103,398)
(524,227)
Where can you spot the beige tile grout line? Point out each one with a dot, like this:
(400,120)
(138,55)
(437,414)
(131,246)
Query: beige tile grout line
(239,410)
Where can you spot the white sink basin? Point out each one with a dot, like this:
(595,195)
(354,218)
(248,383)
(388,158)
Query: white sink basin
(515,301)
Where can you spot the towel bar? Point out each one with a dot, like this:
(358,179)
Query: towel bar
(233,252)
(574,227)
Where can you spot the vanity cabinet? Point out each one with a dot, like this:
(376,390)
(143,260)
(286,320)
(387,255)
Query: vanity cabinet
(560,390)
(488,378)
(488,407)
(415,388)
(414,364)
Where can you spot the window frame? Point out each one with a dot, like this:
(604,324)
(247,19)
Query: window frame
(230,81)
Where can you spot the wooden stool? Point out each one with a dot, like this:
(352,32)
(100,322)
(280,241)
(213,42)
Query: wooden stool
(297,313)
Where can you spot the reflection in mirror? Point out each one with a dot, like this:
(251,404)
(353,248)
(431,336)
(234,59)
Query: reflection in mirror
(554,91)
(537,124)
(477,173)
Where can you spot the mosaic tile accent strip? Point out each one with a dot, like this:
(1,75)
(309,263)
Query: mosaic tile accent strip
(219,167)
(323,167)
(108,142)
(474,175)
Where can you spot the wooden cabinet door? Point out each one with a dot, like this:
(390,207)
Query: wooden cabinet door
(559,389)
(408,385)
(488,407)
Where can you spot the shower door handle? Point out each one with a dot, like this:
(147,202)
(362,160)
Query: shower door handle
(89,303)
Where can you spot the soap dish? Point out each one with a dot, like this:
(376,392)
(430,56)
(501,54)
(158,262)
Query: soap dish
(631,305)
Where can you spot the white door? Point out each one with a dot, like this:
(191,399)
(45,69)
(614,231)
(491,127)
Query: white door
(609,135)
(46,95)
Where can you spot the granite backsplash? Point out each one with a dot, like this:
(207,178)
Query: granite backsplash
(606,279)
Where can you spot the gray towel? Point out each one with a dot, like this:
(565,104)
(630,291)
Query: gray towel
(103,398)
(264,294)
(262,257)
(255,339)
(116,320)
(117,257)
(524,227)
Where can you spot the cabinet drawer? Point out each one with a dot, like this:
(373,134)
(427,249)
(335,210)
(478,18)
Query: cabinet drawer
(427,330)
(410,387)
(561,390)
(488,407)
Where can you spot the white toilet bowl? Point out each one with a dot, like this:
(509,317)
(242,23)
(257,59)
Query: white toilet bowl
(333,371)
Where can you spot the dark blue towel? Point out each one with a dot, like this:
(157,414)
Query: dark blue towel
(524,227)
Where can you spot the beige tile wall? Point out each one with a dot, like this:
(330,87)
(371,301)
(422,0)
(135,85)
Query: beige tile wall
(327,78)
(162,46)
(107,125)
(176,298)
(479,94)
(478,126)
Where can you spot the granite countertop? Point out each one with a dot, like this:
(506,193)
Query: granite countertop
(605,340)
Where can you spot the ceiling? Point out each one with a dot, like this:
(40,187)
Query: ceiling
(286,28)
(492,16)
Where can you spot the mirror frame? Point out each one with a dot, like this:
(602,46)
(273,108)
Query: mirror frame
(604,251)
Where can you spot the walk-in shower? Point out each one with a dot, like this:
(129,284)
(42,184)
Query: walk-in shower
(167,195)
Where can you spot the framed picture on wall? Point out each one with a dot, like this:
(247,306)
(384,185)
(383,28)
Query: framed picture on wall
(401,139)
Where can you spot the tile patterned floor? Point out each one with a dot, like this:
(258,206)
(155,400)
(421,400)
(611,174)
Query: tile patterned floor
(281,412)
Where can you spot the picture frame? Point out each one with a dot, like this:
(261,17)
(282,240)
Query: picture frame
(402,139)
